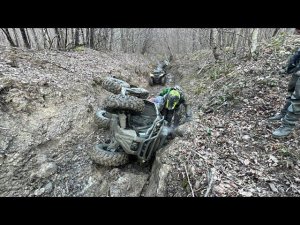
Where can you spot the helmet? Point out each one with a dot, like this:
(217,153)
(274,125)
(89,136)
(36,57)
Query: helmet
(172,99)
(178,88)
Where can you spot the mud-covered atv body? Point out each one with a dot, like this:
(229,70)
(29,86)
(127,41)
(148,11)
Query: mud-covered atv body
(159,75)
(136,126)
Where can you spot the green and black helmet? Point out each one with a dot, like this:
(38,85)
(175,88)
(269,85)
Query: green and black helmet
(172,99)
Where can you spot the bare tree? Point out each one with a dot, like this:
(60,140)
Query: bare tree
(253,42)
(275,31)
(170,41)
(147,41)
(28,37)
(83,39)
(194,32)
(46,38)
(236,40)
(123,41)
(76,37)
(36,39)
(24,37)
(7,34)
(16,37)
(213,43)
(87,36)
(66,38)
(92,32)
(111,39)
(58,38)
(72,37)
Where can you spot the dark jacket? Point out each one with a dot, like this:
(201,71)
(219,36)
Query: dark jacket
(182,100)
(294,63)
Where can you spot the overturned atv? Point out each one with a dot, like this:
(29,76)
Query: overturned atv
(136,125)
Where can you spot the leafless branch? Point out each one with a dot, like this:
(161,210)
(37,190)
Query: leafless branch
(210,178)
(189,181)
(202,67)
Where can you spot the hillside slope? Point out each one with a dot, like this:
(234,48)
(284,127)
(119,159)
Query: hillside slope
(47,104)
(228,149)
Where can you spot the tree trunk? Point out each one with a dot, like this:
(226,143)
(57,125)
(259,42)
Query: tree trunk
(66,37)
(92,32)
(44,38)
(111,38)
(132,41)
(254,41)
(83,39)
(58,40)
(123,43)
(72,37)
(7,34)
(36,39)
(236,40)
(275,31)
(200,38)
(87,37)
(28,37)
(194,40)
(147,40)
(76,37)
(23,33)
(16,37)
(178,41)
(213,41)
(48,38)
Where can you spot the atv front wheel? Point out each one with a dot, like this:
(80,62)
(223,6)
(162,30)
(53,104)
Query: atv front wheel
(102,119)
(114,85)
(101,155)
(120,102)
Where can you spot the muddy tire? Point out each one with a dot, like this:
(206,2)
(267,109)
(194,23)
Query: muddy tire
(100,155)
(120,102)
(114,85)
(140,93)
(150,81)
(102,119)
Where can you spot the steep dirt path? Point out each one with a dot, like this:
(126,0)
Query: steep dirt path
(47,104)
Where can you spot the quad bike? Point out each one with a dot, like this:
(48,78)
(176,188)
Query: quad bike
(159,75)
(136,126)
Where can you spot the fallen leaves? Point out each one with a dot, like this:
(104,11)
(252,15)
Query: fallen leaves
(235,138)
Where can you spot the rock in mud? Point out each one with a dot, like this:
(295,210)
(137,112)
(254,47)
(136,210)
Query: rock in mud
(46,170)
(128,185)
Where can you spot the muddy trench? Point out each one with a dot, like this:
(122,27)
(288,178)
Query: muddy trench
(47,124)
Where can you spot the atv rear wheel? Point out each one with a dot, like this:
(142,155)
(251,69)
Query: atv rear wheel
(120,102)
(114,85)
(139,92)
(101,155)
(102,119)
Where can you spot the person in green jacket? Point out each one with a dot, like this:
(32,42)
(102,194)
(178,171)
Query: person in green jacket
(173,98)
